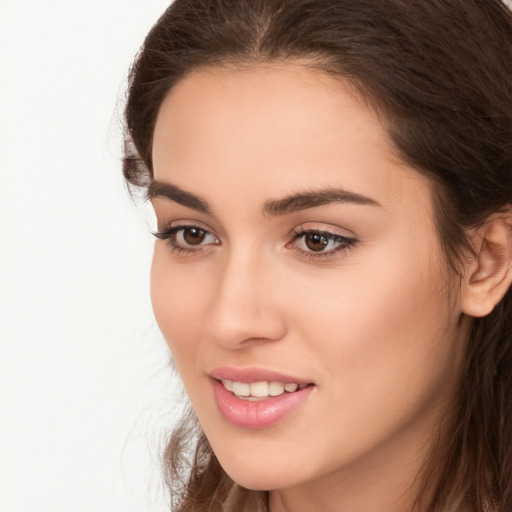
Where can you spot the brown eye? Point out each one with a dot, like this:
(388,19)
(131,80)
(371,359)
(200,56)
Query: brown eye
(188,239)
(194,236)
(320,244)
(315,241)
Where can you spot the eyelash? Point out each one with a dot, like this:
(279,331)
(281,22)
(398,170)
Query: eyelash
(344,243)
(170,233)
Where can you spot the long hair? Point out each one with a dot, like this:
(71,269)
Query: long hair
(439,73)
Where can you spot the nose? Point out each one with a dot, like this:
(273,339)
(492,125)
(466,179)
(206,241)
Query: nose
(245,307)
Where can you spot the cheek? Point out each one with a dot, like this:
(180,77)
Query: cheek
(381,328)
(177,305)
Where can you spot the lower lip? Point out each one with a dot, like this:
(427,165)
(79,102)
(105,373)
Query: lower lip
(261,414)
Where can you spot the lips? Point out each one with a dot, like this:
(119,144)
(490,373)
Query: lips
(257,398)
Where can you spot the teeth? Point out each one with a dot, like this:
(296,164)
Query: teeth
(260,389)
(275,389)
(228,384)
(241,388)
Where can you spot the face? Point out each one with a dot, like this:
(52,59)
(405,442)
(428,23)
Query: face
(296,249)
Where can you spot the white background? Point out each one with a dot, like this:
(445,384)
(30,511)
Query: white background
(85,382)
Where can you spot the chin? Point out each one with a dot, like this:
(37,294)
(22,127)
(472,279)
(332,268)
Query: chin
(259,473)
(260,480)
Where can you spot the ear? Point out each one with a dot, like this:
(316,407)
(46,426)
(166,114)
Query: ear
(489,271)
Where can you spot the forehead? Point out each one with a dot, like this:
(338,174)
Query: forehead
(269,129)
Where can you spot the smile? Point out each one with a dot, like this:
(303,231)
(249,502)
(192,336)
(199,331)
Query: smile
(255,391)
(256,398)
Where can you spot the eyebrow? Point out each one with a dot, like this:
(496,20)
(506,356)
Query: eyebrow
(178,195)
(273,208)
(303,201)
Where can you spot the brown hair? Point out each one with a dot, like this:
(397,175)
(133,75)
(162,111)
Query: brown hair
(440,74)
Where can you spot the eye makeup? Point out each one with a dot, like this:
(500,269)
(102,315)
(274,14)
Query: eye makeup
(311,243)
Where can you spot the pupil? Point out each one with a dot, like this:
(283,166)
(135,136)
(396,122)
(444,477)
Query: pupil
(316,242)
(194,236)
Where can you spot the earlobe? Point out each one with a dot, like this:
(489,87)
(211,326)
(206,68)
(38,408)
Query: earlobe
(489,272)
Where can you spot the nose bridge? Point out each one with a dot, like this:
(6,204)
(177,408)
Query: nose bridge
(245,306)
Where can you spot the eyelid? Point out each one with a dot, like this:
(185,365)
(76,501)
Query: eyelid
(185,223)
(344,242)
(322,227)
(171,230)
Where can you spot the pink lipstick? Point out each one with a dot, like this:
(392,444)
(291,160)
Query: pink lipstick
(257,398)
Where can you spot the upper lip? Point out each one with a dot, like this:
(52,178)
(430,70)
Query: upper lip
(254,374)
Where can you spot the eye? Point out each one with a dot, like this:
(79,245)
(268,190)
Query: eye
(315,243)
(191,236)
(185,239)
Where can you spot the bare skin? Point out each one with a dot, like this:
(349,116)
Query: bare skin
(369,318)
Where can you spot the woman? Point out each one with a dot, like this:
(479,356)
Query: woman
(332,184)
